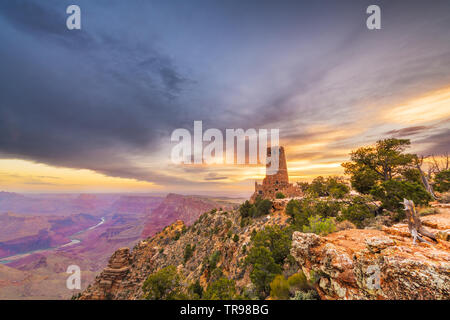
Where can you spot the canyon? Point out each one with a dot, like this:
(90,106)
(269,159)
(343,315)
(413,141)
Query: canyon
(377,263)
(41,235)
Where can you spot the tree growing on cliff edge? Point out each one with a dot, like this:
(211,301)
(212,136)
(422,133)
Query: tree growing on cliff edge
(386,172)
(384,161)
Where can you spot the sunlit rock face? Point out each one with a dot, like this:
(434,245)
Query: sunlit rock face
(377,264)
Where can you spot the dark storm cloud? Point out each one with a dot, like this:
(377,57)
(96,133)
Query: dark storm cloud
(94,105)
(409,131)
(103,97)
(439,143)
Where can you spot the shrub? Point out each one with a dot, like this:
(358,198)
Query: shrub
(337,188)
(263,207)
(357,212)
(306,295)
(195,290)
(427,211)
(392,192)
(164,284)
(264,269)
(442,181)
(318,187)
(244,222)
(445,197)
(279,288)
(344,225)
(245,209)
(276,240)
(213,259)
(188,252)
(280,195)
(221,289)
(177,235)
(293,208)
(235,238)
(331,186)
(259,208)
(297,282)
(321,226)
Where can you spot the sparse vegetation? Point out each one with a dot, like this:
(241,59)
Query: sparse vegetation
(442,181)
(320,226)
(164,284)
(282,288)
(260,208)
(280,195)
(331,186)
(221,289)
(188,252)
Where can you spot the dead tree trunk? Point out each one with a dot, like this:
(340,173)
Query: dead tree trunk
(424,179)
(414,224)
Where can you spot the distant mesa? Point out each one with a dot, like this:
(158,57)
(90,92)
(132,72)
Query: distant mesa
(277,182)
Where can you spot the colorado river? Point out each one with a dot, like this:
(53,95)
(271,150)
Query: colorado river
(73,241)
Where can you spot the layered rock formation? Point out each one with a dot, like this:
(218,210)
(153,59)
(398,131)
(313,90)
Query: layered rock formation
(176,206)
(349,264)
(209,234)
(377,264)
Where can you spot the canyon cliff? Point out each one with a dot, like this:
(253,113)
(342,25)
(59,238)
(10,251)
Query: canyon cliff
(348,264)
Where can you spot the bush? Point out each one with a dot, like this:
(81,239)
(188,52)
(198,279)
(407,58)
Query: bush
(245,209)
(195,290)
(302,210)
(188,252)
(306,295)
(221,289)
(427,211)
(263,207)
(318,187)
(213,259)
(297,282)
(320,226)
(392,192)
(293,208)
(280,195)
(259,208)
(264,269)
(244,222)
(235,238)
(177,235)
(331,186)
(279,288)
(357,212)
(344,225)
(442,181)
(276,240)
(164,284)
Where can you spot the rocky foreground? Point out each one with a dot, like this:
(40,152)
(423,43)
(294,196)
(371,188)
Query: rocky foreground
(349,264)
(378,264)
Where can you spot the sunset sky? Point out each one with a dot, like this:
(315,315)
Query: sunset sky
(92,110)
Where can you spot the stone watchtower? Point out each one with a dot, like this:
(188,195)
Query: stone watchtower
(276,182)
